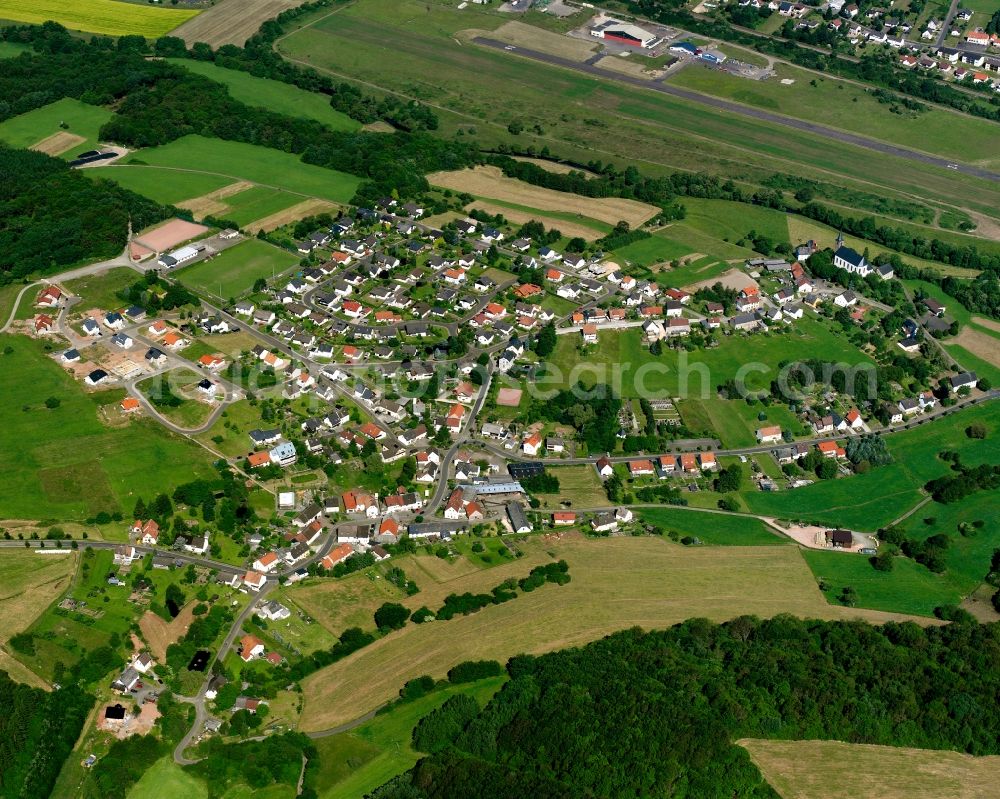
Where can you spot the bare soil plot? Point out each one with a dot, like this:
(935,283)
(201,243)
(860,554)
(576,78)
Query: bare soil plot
(732,279)
(535,38)
(294,214)
(570,229)
(160,634)
(616,583)
(231,21)
(982,345)
(211,204)
(835,770)
(58,143)
(170,234)
(509,397)
(489,181)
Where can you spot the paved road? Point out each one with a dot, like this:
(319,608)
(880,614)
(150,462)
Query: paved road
(943,33)
(742,110)
(17,303)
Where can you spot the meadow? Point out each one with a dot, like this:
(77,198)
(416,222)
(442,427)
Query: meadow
(64,463)
(261,165)
(106,17)
(734,422)
(616,583)
(411,48)
(873,500)
(694,374)
(101,290)
(30,583)
(82,120)
(232,272)
(579,486)
(716,529)
(166,186)
(814,769)
(847,106)
(282,98)
(354,763)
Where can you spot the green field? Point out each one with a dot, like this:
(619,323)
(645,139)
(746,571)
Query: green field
(872,500)
(65,463)
(656,249)
(32,127)
(12,49)
(847,106)
(101,291)
(166,780)
(716,529)
(282,98)
(579,486)
(694,374)
(261,165)
(353,764)
(732,221)
(233,271)
(734,422)
(98,16)
(256,203)
(166,186)
(415,48)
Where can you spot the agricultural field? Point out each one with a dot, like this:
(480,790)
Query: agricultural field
(64,463)
(261,165)
(872,500)
(42,129)
(694,374)
(656,249)
(354,763)
(847,106)
(167,780)
(490,182)
(411,47)
(819,770)
(231,22)
(282,98)
(568,224)
(232,272)
(31,582)
(106,17)
(616,583)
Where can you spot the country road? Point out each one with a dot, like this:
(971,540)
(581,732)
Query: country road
(743,110)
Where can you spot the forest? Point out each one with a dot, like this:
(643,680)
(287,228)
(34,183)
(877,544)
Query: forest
(38,729)
(51,215)
(657,714)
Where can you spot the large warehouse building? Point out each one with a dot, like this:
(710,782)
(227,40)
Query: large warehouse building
(624,33)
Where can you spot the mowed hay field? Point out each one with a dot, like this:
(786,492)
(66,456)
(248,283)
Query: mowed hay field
(489,181)
(587,232)
(836,770)
(159,633)
(231,21)
(29,582)
(98,16)
(616,583)
(39,128)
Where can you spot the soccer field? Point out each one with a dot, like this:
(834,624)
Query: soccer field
(233,272)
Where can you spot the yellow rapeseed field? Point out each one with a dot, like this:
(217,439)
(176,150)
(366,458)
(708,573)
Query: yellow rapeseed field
(98,16)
